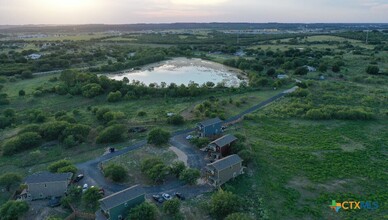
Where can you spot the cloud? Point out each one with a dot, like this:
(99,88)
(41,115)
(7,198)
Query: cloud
(198,2)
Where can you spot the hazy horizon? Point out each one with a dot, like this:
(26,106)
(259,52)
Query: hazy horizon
(69,12)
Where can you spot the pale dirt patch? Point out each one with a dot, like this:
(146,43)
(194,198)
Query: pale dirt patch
(335,185)
(304,186)
(201,181)
(351,145)
(181,155)
(309,190)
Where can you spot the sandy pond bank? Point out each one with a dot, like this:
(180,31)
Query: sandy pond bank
(182,71)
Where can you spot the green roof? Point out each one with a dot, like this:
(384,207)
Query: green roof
(121,197)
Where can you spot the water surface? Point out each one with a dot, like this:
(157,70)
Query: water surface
(183,71)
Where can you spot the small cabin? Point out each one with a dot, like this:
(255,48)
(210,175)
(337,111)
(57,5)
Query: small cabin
(209,128)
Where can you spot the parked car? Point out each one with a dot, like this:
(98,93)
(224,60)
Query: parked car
(166,196)
(54,201)
(85,187)
(101,191)
(189,137)
(78,178)
(137,129)
(112,149)
(180,196)
(158,198)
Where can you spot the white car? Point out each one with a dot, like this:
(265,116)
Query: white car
(189,137)
(85,187)
(166,196)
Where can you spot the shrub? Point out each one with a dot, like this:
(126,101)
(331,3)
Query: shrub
(372,69)
(336,68)
(177,167)
(190,176)
(91,90)
(171,206)
(158,137)
(5,122)
(115,172)
(223,203)
(246,155)
(200,142)
(141,113)
(4,99)
(22,92)
(144,211)
(79,132)
(271,72)
(154,168)
(300,93)
(9,179)
(53,130)
(90,198)
(66,169)
(70,141)
(26,74)
(114,96)
(12,210)
(100,113)
(301,71)
(112,134)
(54,167)
(22,142)
(176,120)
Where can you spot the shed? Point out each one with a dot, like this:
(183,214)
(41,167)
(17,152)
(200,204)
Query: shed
(45,184)
(221,146)
(221,171)
(209,127)
(117,205)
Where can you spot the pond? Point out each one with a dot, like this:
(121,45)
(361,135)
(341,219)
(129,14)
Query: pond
(183,71)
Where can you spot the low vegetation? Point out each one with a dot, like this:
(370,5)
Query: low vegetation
(116,173)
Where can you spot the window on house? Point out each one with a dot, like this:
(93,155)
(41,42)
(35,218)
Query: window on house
(45,185)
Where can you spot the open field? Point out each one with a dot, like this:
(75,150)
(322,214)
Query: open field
(64,37)
(132,162)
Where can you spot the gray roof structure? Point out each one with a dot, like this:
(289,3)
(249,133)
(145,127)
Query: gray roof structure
(226,162)
(210,122)
(224,140)
(121,197)
(45,177)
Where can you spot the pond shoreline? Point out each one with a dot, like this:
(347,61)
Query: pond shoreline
(182,62)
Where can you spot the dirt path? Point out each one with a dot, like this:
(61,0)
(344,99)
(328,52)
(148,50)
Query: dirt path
(181,155)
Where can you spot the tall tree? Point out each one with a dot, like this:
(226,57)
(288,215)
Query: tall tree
(10,179)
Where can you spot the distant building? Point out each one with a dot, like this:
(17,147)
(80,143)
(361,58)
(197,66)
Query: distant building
(209,127)
(311,69)
(282,76)
(221,147)
(240,53)
(34,56)
(45,185)
(221,171)
(117,205)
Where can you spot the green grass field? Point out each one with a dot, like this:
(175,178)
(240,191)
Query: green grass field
(301,165)
(78,37)
(132,162)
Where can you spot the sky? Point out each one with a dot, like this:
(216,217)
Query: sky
(15,12)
